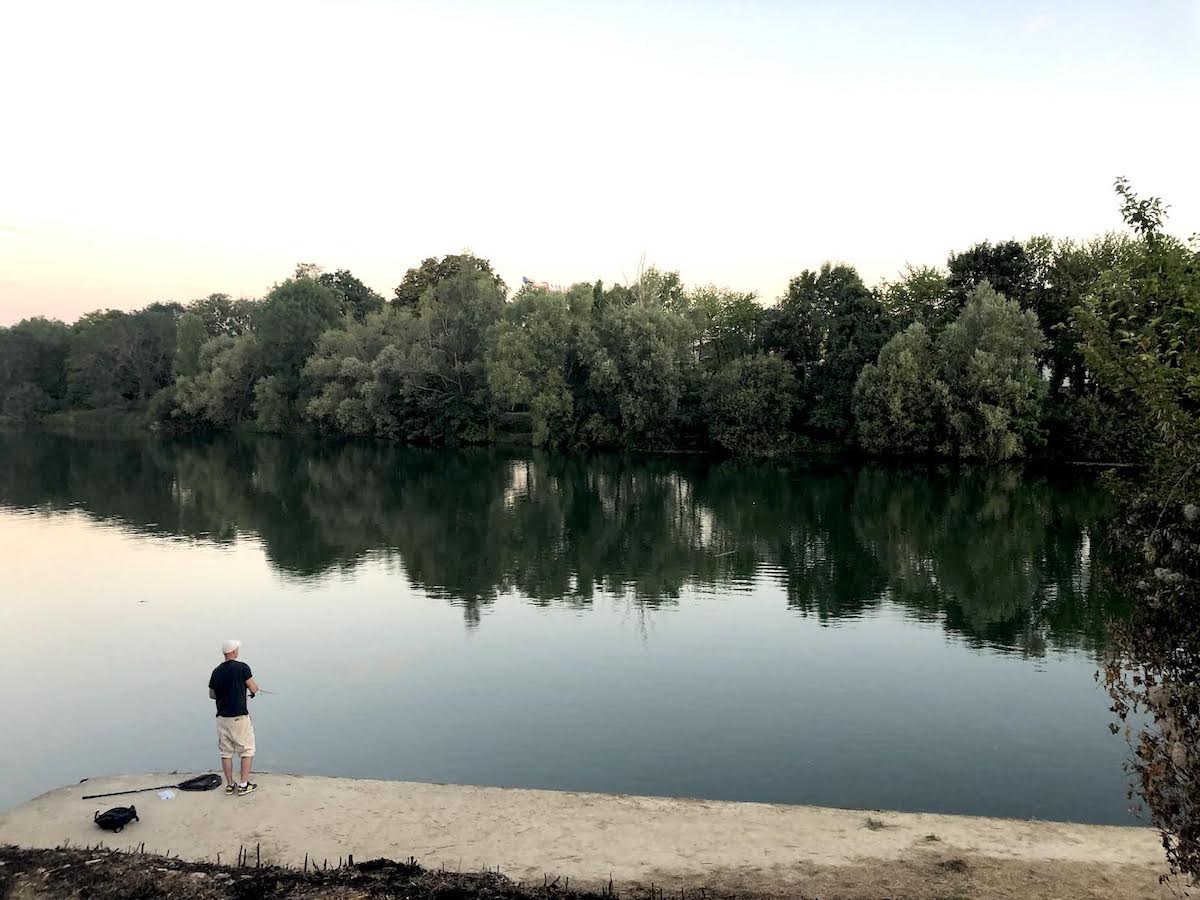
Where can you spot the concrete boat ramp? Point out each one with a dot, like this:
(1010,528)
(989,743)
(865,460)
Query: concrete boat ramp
(750,848)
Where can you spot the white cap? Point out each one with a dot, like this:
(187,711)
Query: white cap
(230,646)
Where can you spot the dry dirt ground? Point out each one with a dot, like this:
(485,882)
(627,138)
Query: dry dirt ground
(102,874)
(637,846)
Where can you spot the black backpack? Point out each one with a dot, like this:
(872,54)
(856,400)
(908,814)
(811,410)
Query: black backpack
(116,818)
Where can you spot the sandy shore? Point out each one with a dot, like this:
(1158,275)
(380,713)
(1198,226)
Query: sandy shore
(747,847)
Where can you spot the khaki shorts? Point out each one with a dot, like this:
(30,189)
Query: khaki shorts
(235,736)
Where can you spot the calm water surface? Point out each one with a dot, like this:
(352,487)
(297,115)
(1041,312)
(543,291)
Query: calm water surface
(909,639)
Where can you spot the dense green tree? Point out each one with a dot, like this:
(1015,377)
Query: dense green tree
(440,369)
(1083,418)
(658,288)
(1006,266)
(221,393)
(796,326)
(190,335)
(749,404)
(340,374)
(357,301)
(539,358)
(1066,273)
(414,373)
(1142,324)
(829,325)
(900,402)
(273,403)
(26,403)
(433,270)
(221,314)
(34,352)
(921,294)
(119,357)
(989,360)
(726,324)
(637,372)
(290,319)
(975,393)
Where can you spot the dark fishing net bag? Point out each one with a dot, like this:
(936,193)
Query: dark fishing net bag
(116,818)
(201,783)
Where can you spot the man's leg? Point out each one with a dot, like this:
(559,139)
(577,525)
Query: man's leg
(225,748)
(246,752)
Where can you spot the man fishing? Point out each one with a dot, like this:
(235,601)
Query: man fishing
(235,734)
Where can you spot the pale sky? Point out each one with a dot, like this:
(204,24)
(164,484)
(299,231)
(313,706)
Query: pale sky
(167,150)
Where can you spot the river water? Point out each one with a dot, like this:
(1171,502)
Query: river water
(862,636)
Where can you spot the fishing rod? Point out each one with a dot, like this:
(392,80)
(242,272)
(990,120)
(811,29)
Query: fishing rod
(199,783)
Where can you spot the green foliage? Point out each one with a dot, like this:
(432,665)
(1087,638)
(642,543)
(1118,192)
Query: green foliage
(988,357)
(34,351)
(190,335)
(637,369)
(289,321)
(222,315)
(726,324)
(340,375)
(900,403)
(636,365)
(357,301)
(1065,274)
(1142,341)
(1146,217)
(921,294)
(273,403)
(539,357)
(164,414)
(412,373)
(432,271)
(976,393)
(117,357)
(221,393)
(26,403)
(1142,329)
(829,325)
(749,405)
(1006,266)
(658,288)
(1094,426)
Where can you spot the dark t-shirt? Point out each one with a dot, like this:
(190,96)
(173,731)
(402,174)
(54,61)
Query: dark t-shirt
(228,682)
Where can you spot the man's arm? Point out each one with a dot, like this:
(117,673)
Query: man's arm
(252,685)
(212,695)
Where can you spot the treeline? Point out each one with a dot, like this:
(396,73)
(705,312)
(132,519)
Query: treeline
(982,359)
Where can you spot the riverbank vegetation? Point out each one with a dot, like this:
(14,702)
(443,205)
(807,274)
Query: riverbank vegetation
(982,359)
(1141,330)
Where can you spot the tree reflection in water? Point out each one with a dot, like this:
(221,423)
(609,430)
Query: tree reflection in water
(1005,558)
